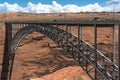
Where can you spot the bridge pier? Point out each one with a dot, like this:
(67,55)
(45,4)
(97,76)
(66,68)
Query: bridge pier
(6,56)
(79,42)
(95,47)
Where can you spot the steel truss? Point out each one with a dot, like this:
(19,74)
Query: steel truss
(91,60)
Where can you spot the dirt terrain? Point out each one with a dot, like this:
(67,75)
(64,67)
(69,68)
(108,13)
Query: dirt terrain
(34,59)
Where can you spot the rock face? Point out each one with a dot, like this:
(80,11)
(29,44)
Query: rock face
(68,73)
(35,59)
(36,79)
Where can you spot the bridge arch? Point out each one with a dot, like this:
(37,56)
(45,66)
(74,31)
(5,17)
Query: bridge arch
(21,34)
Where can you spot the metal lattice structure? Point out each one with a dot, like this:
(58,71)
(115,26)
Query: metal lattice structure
(88,56)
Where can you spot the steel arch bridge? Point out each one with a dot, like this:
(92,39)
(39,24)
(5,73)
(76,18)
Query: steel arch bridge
(88,56)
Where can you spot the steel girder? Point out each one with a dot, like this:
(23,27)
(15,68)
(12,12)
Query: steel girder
(77,48)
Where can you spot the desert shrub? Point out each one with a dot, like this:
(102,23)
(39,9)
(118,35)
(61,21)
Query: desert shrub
(80,78)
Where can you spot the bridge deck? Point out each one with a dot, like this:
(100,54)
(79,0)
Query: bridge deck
(67,22)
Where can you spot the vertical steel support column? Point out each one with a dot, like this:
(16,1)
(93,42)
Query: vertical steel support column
(13,31)
(67,37)
(80,33)
(119,50)
(95,46)
(7,45)
(49,30)
(113,54)
(57,32)
(70,29)
(44,28)
(62,27)
(18,27)
(78,43)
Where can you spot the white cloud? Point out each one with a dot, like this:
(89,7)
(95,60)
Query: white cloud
(116,0)
(112,1)
(9,7)
(58,8)
(38,8)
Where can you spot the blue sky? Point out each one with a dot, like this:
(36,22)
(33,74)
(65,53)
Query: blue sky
(63,2)
(58,6)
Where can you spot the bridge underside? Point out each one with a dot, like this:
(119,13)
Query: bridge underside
(87,55)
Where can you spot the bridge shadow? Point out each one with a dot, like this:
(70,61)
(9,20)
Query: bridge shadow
(51,63)
(35,58)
